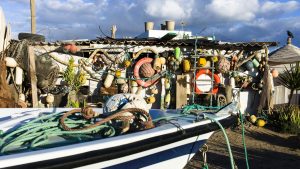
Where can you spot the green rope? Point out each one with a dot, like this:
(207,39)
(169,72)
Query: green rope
(226,138)
(38,132)
(186,109)
(243,138)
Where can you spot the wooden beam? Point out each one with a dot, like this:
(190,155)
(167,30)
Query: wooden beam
(33,78)
(33,22)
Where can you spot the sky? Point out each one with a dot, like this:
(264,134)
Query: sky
(227,20)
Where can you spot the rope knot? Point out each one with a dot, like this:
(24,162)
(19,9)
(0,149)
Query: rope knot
(88,113)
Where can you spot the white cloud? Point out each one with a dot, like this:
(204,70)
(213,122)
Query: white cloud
(169,9)
(271,6)
(238,10)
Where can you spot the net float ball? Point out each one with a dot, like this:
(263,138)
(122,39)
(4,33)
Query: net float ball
(146,70)
(249,65)
(186,66)
(234,58)
(118,73)
(215,59)
(73,48)
(150,99)
(275,73)
(253,119)
(66,48)
(154,91)
(260,122)
(162,60)
(127,63)
(124,88)
(201,62)
(223,65)
(50,98)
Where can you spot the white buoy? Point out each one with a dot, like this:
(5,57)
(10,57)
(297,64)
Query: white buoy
(232,82)
(188,84)
(10,62)
(122,80)
(50,98)
(108,80)
(19,76)
(22,97)
(134,87)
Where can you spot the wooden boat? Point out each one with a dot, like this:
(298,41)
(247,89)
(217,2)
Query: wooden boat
(173,141)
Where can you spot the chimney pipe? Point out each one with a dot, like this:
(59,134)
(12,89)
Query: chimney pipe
(149,26)
(170,25)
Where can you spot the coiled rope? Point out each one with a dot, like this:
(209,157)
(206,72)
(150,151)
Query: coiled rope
(89,113)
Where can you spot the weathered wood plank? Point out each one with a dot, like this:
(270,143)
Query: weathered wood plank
(33,78)
(181,94)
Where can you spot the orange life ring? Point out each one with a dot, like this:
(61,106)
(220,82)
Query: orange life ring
(137,74)
(208,72)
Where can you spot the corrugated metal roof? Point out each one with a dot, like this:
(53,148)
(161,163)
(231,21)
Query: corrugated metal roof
(286,54)
(158,42)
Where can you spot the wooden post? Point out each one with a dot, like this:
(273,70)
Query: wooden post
(33,78)
(181,94)
(113,31)
(32,10)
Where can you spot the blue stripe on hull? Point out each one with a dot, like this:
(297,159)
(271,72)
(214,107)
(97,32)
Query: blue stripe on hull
(160,156)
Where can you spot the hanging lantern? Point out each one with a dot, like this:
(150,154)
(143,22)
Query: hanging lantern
(150,99)
(274,73)
(201,62)
(186,65)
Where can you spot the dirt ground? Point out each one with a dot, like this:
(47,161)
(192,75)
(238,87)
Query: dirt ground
(266,150)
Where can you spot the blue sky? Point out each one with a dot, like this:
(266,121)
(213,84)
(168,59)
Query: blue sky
(228,20)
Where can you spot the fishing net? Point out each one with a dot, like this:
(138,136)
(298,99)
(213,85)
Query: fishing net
(6,97)
(46,69)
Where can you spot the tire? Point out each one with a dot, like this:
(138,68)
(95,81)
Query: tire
(31,37)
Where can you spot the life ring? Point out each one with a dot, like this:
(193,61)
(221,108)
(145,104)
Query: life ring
(137,74)
(207,72)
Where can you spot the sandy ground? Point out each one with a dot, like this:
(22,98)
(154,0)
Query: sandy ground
(266,150)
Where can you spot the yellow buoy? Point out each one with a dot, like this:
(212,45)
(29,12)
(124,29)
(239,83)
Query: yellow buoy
(253,119)
(126,63)
(260,123)
(215,59)
(186,65)
(167,84)
(201,62)
(157,64)
(118,73)
(150,100)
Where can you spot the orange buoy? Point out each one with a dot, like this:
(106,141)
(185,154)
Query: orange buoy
(217,80)
(274,73)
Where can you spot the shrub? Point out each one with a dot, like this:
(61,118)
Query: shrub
(286,118)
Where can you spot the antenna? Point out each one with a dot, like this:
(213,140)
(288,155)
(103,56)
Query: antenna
(182,23)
